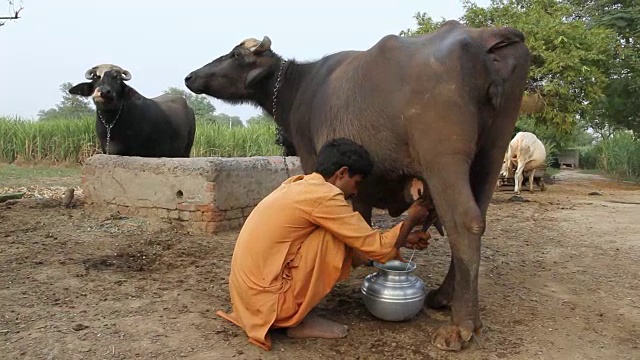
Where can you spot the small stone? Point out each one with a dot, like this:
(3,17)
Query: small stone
(595,193)
(79,327)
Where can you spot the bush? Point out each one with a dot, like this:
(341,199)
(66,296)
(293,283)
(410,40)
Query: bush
(588,156)
(618,156)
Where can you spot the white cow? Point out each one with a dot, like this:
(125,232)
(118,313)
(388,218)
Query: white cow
(525,153)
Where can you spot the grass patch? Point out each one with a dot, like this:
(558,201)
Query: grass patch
(13,171)
(12,175)
(72,141)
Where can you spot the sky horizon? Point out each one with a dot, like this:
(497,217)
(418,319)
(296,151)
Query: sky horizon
(160,42)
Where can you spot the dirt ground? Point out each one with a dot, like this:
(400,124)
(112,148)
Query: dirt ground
(560,279)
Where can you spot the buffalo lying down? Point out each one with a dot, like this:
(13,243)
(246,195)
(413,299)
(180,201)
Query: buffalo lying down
(130,124)
(440,107)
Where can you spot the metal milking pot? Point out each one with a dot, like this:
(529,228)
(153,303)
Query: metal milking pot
(393,293)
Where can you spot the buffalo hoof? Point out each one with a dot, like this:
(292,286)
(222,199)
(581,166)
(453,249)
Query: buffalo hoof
(436,299)
(454,337)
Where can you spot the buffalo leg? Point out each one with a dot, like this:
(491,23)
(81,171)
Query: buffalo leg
(449,184)
(441,297)
(462,189)
(519,177)
(465,226)
(533,172)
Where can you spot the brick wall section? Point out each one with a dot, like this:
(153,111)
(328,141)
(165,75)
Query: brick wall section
(205,194)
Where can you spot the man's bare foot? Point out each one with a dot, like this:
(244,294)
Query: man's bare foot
(316,327)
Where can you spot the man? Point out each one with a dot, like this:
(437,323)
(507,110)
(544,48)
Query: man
(303,238)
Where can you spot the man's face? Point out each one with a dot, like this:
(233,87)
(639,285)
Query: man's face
(346,183)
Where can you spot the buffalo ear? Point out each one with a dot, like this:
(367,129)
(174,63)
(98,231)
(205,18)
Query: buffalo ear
(255,75)
(82,89)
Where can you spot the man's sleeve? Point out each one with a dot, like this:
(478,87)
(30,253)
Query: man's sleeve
(337,216)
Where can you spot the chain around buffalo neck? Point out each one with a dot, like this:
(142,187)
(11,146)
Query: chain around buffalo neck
(110,125)
(279,130)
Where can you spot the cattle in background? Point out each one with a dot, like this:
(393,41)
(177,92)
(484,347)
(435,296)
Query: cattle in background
(130,124)
(440,107)
(525,154)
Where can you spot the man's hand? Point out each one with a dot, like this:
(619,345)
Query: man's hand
(417,213)
(418,240)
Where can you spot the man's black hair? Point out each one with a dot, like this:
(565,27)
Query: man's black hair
(340,152)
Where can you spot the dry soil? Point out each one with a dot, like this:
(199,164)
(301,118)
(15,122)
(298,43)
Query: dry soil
(559,279)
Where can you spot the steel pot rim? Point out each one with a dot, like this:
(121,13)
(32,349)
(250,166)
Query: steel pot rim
(395,266)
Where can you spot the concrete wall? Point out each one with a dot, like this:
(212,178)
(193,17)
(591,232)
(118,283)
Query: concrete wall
(207,194)
(569,158)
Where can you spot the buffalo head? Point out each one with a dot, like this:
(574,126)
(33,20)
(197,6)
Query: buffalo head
(507,168)
(238,75)
(106,85)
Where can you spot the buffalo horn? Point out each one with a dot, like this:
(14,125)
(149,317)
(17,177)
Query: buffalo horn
(265,45)
(89,74)
(126,75)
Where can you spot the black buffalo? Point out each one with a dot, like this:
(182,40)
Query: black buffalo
(130,124)
(439,107)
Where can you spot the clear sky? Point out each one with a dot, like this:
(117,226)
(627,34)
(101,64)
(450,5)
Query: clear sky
(160,42)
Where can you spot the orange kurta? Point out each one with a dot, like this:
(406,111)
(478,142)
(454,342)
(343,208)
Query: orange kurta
(292,249)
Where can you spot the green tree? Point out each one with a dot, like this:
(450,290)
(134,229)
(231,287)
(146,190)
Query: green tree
(619,108)
(569,58)
(71,106)
(426,24)
(202,107)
